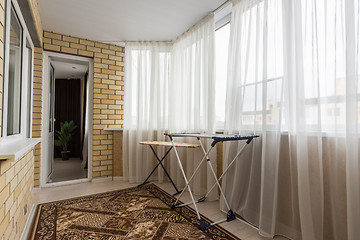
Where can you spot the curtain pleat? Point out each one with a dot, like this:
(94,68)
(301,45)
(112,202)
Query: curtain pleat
(293,78)
(169,87)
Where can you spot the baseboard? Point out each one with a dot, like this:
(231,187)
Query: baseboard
(28,225)
(118,178)
(99,180)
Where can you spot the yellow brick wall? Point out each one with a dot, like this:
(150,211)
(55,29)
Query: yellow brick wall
(16,188)
(108,91)
(37,104)
(16,177)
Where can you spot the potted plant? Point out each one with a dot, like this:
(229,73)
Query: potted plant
(64,137)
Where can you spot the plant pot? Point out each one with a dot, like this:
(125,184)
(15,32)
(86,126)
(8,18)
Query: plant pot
(65,155)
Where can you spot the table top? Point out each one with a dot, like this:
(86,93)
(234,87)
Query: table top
(169,144)
(225,137)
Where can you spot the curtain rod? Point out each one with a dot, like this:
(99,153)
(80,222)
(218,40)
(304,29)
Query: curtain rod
(218,9)
(222,6)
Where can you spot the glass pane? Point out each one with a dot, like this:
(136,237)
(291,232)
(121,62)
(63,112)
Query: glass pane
(14,82)
(273,102)
(251,46)
(221,47)
(249,99)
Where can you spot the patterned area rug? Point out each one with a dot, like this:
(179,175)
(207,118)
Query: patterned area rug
(134,213)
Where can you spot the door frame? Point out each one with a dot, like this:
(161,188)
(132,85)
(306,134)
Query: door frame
(51,133)
(47,58)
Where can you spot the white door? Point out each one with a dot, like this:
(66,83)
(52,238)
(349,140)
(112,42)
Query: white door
(51,102)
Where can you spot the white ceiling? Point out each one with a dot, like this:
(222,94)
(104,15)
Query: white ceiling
(124,20)
(69,69)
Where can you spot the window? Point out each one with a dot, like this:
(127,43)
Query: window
(18,61)
(261,94)
(259,70)
(14,76)
(222,35)
(296,78)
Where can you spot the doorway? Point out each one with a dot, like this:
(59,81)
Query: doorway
(67,85)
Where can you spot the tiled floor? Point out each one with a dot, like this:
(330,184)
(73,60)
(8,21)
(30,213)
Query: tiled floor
(209,209)
(65,170)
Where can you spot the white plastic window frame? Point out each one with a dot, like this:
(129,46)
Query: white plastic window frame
(222,17)
(26,84)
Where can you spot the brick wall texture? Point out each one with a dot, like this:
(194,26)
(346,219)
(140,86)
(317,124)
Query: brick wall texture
(17,177)
(16,189)
(37,105)
(108,91)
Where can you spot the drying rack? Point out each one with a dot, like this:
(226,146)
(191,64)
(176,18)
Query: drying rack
(216,138)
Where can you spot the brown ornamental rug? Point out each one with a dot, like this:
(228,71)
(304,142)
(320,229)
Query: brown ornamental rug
(134,213)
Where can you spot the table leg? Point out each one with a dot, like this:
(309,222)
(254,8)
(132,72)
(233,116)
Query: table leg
(160,163)
(167,174)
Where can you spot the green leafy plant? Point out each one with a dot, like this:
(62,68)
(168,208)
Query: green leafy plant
(65,134)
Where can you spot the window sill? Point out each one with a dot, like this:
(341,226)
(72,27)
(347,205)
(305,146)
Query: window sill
(12,150)
(113,129)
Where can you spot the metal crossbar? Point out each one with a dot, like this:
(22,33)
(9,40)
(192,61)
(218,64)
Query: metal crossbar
(160,163)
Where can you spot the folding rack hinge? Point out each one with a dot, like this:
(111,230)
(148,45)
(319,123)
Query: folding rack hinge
(215,141)
(249,140)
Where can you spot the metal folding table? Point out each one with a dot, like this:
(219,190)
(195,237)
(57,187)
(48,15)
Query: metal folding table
(165,144)
(215,139)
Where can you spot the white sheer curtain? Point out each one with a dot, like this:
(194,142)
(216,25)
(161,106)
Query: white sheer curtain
(169,90)
(293,79)
(191,95)
(145,106)
(193,78)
